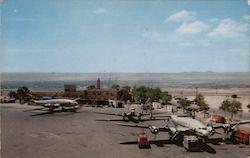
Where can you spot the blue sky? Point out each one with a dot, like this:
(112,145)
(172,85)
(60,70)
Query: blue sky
(124,36)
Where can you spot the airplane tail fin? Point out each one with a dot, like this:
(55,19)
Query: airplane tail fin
(77,99)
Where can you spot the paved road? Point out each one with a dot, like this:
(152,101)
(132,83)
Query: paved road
(68,135)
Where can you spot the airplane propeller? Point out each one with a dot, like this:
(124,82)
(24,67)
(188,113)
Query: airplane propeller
(174,136)
(212,130)
(154,130)
(229,127)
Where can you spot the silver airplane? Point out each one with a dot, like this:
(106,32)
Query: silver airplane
(130,116)
(182,126)
(54,104)
(188,126)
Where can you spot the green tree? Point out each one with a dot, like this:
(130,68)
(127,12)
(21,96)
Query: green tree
(127,88)
(235,107)
(224,106)
(124,95)
(148,94)
(115,86)
(184,102)
(232,106)
(166,98)
(200,101)
(154,94)
(140,93)
(23,93)
(91,87)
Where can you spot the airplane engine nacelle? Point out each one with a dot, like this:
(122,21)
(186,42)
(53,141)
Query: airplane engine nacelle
(154,129)
(47,105)
(56,105)
(227,128)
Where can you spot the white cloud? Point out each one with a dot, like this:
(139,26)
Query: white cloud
(182,16)
(100,11)
(247,17)
(228,28)
(193,27)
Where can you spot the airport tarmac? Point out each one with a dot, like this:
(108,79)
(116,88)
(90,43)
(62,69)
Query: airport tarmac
(78,135)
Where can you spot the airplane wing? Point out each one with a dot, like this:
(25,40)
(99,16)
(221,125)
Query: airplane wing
(161,129)
(161,116)
(153,113)
(161,141)
(54,111)
(108,113)
(133,125)
(184,115)
(223,125)
(133,120)
(111,120)
(42,113)
(240,122)
(156,142)
(34,109)
(129,142)
(153,119)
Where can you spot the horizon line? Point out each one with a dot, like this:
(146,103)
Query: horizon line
(131,72)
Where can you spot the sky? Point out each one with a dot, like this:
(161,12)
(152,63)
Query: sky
(124,36)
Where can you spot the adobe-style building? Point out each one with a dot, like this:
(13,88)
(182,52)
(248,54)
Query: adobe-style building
(91,94)
(70,91)
(101,94)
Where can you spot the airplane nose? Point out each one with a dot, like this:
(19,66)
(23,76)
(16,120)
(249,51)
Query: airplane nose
(206,133)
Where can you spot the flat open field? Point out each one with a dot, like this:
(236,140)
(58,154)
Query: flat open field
(64,135)
(214,97)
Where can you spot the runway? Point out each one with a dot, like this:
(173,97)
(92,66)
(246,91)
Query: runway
(65,135)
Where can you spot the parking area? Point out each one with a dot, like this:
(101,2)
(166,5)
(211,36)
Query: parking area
(70,134)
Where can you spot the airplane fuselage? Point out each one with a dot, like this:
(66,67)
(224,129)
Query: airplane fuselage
(57,102)
(194,125)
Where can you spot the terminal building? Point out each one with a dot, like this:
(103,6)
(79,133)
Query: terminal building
(91,94)
(95,95)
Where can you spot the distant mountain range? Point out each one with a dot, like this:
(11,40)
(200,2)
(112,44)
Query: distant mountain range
(193,79)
